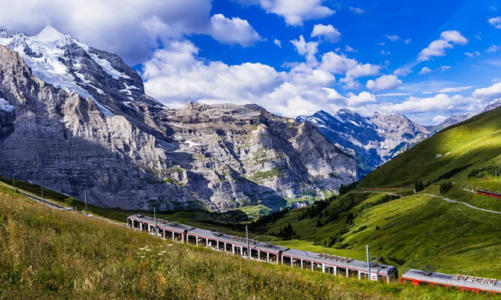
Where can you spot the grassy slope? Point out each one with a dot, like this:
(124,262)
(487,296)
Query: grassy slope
(414,231)
(476,142)
(48,254)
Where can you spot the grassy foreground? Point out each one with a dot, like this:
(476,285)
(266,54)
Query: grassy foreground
(48,254)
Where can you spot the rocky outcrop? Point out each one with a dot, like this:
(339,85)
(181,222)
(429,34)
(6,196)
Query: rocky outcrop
(81,121)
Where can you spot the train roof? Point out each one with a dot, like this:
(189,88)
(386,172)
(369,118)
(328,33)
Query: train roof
(341,262)
(235,240)
(466,281)
(163,224)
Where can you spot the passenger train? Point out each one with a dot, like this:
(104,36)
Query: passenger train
(325,263)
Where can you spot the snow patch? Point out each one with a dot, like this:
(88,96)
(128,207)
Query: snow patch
(106,65)
(5,106)
(192,144)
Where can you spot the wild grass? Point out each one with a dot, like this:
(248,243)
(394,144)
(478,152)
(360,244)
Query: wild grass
(49,254)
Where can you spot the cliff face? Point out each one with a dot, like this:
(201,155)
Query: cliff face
(92,128)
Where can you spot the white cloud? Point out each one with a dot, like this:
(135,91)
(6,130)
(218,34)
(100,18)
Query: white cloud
(490,92)
(347,48)
(438,47)
(445,68)
(363,70)
(328,32)
(472,54)
(308,49)
(425,70)
(493,49)
(493,8)
(392,37)
(385,52)
(386,82)
(455,89)
(454,37)
(495,22)
(439,119)
(133,29)
(407,41)
(356,10)
(362,98)
(278,43)
(293,11)
(233,31)
(402,71)
(436,103)
(381,44)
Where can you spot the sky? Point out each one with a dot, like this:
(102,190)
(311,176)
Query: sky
(425,59)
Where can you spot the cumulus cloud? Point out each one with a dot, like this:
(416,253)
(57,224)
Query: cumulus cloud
(356,10)
(402,72)
(445,68)
(493,91)
(438,119)
(438,47)
(133,29)
(233,31)
(425,70)
(436,103)
(347,48)
(295,12)
(386,82)
(328,32)
(407,41)
(362,98)
(385,52)
(308,49)
(392,37)
(278,43)
(495,22)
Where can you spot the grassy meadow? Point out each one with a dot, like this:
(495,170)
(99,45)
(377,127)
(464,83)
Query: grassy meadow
(50,254)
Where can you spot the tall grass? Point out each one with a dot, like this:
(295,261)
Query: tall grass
(49,254)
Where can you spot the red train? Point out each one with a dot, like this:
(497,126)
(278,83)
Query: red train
(489,194)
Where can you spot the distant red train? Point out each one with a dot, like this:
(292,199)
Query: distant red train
(489,194)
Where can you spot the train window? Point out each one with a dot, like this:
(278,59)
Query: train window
(406,281)
(422,283)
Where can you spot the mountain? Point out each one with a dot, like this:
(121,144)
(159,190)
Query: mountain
(76,119)
(457,152)
(371,141)
(453,120)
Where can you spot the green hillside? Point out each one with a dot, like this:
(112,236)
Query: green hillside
(453,153)
(409,232)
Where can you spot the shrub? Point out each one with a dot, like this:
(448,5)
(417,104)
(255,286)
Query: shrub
(445,187)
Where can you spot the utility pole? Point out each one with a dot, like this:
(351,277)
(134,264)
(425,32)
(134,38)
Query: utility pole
(85,196)
(156,226)
(41,187)
(248,243)
(368,263)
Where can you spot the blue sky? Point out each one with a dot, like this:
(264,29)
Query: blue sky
(425,59)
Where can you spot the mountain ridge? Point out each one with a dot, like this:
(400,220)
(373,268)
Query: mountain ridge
(81,121)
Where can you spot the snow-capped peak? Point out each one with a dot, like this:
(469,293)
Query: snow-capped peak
(48,35)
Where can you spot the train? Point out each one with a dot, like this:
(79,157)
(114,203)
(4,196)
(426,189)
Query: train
(489,194)
(306,260)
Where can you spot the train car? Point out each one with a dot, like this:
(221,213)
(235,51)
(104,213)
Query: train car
(262,252)
(489,194)
(337,265)
(460,282)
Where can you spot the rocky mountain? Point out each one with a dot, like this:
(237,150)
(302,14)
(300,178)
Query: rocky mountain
(370,141)
(77,118)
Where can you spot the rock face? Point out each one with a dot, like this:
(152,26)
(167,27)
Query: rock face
(370,141)
(77,119)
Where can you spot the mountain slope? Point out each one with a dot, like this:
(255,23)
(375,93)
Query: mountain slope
(76,118)
(371,141)
(451,153)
